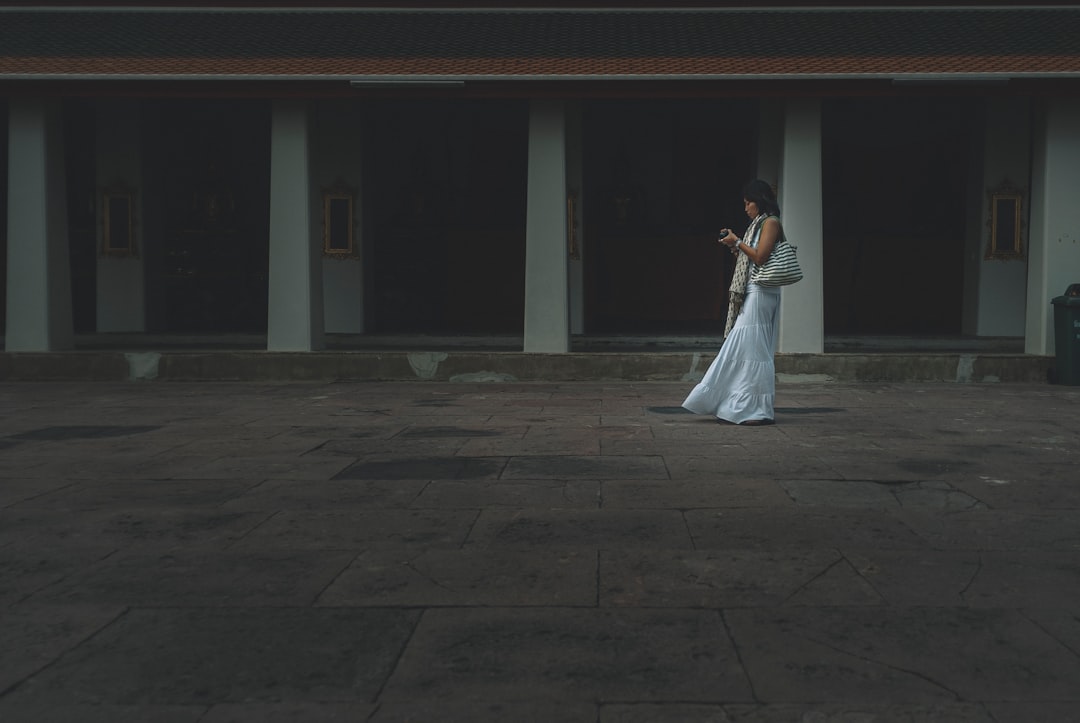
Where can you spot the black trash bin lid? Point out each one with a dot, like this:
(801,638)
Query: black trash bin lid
(1071,297)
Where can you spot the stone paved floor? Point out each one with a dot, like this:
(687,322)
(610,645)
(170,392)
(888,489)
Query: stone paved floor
(537,552)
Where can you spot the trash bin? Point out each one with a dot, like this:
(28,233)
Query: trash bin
(1067,336)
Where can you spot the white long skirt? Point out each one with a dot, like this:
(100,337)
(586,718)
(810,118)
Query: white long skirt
(740,384)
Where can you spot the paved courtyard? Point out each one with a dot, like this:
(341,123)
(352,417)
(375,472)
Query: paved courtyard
(571,552)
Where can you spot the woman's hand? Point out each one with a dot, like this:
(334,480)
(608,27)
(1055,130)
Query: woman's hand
(727,238)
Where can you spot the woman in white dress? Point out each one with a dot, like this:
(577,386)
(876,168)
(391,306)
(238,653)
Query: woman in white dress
(740,385)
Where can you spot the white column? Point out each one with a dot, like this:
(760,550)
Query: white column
(802,326)
(121,287)
(39,269)
(295,313)
(1054,246)
(546,276)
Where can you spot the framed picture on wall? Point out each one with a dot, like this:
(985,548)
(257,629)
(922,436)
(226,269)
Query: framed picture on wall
(1006,223)
(118,223)
(338,225)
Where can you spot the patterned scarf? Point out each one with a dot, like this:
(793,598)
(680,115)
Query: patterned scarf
(741,277)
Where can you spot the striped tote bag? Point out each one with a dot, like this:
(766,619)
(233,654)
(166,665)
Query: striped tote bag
(780,269)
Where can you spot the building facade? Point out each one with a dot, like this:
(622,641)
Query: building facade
(534,172)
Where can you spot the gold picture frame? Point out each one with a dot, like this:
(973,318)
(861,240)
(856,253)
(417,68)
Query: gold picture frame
(338,221)
(1006,223)
(118,222)
(572,226)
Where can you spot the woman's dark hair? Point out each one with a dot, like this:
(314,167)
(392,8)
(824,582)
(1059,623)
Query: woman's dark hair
(761,193)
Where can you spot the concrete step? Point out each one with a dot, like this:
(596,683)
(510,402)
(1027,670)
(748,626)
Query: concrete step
(485,365)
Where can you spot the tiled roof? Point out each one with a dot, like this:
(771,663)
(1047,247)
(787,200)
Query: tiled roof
(524,44)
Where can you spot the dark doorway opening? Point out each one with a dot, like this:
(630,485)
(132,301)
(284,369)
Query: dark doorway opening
(3,212)
(661,178)
(895,174)
(207,211)
(444,204)
(80,151)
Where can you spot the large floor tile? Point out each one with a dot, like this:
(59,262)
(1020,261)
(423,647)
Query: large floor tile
(472,577)
(901,655)
(580,528)
(561,654)
(199,656)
